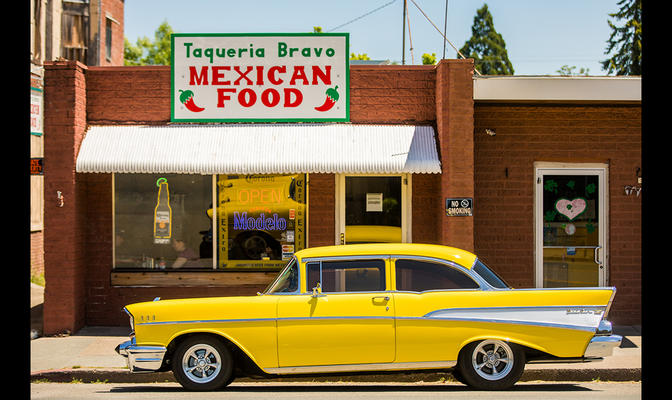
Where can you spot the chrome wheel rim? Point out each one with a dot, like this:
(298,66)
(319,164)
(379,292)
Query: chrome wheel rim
(492,359)
(201,363)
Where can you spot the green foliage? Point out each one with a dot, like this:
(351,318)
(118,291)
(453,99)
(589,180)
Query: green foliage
(317,29)
(146,52)
(566,70)
(486,46)
(363,56)
(429,59)
(625,41)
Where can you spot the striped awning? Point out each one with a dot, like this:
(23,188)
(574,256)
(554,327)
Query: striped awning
(259,149)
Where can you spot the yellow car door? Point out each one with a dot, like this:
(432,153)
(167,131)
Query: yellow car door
(347,319)
(424,286)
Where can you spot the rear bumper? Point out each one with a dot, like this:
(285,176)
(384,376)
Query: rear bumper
(141,358)
(602,346)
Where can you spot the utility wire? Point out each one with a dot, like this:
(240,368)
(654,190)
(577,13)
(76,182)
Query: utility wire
(410,40)
(444,36)
(362,16)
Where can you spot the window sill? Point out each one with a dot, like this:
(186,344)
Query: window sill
(154,278)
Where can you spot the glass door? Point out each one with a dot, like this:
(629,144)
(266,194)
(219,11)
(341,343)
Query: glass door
(372,209)
(571,230)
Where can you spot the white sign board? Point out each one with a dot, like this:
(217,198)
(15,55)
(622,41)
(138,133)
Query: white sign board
(374,202)
(260,77)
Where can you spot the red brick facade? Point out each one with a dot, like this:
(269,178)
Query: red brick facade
(504,177)
(78,236)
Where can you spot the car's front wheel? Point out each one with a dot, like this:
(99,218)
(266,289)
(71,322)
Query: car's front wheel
(491,364)
(202,363)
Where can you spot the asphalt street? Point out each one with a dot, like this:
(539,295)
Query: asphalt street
(338,390)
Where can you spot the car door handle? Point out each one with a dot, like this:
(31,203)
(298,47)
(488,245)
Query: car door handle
(386,298)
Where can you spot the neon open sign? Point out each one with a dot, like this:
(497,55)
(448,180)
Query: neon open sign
(242,222)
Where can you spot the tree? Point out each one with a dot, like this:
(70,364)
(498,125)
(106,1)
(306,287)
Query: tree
(429,59)
(363,56)
(625,40)
(147,52)
(566,70)
(486,46)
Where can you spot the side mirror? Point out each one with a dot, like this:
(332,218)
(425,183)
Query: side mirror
(317,291)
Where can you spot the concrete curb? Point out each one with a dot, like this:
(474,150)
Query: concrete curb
(124,376)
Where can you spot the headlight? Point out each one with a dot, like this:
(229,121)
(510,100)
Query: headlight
(130,316)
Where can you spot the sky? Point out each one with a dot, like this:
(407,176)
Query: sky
(541,35)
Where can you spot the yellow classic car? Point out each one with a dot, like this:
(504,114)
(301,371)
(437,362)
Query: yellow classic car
(372,307)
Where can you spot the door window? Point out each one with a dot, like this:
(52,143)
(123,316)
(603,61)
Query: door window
(347,276)
(373,208)
(418,276)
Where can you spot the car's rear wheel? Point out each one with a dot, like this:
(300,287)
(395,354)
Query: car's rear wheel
(202,363)
(491,364)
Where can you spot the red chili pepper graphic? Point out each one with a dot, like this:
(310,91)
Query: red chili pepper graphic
(187,98)
(332,98)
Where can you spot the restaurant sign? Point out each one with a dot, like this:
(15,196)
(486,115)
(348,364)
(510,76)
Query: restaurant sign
(260,77)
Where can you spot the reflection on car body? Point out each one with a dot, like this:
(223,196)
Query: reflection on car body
(372,307)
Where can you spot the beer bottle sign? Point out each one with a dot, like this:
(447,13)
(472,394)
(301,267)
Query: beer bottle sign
(162,213)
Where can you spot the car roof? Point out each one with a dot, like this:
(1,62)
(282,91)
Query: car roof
(456,255)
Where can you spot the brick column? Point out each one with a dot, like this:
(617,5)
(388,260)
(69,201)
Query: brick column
(64,252)
(455,130)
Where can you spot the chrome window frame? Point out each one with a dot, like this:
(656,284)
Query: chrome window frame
(345,258)
(480,282)
(298,287)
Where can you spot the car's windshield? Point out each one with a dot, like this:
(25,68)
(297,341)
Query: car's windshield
(490,276)
(287,281)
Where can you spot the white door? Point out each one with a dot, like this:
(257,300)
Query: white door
(571,225)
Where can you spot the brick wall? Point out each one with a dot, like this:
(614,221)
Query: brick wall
(115,10)
(36,253)
(455,126)
(504,226)
(64,254)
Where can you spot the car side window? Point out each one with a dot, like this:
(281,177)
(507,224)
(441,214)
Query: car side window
(346,276)
(288,281)
(419,275)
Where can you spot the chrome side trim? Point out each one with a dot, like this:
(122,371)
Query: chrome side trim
(362,367)
(267,320)
(141,358)
(586,318)
(551,317)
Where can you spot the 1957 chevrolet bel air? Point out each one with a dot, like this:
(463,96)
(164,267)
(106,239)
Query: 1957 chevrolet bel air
(372,307)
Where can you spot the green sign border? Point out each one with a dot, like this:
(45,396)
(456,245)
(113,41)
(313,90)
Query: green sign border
(347,77)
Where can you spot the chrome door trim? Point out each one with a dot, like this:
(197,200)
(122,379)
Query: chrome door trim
(362,367)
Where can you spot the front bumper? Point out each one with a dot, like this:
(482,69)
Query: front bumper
(141,358)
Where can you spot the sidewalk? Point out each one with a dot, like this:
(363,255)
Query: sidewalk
(89,356)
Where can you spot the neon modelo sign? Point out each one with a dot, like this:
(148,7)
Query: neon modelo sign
(241,222)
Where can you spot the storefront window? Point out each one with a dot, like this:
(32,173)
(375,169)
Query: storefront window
(261,219)
(165,221)
(161,221)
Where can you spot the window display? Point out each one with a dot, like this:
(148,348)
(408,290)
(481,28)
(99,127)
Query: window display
(161,222)
(166,221)
(261,219)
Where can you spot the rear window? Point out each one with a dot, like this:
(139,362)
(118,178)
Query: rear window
(489,276)
(418,276)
